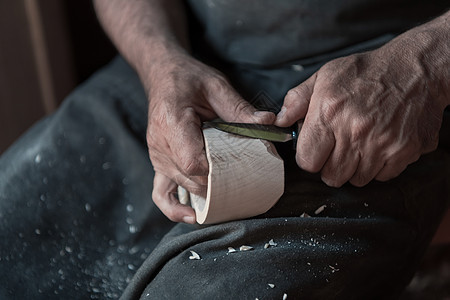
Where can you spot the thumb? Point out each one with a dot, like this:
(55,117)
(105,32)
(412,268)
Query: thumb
(164,190)
(231,107)
(296,103)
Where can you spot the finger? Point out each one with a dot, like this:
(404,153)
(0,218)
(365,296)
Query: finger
(314,145)
(296,103)
(396,164)
(163,195)
(190,185)
(186,144)
(164,166)
(231,107)
(368,168)
(390,171)
(341,164)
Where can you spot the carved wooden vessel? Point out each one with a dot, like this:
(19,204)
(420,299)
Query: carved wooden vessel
(246,178)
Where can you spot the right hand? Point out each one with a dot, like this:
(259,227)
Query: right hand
(183,93)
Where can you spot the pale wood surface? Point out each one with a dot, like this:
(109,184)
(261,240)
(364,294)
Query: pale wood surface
(246,178)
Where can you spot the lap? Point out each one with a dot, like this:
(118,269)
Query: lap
(365,243)
(77,218)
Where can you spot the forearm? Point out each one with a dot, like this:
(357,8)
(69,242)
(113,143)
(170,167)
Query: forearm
(426,49)
(146,32)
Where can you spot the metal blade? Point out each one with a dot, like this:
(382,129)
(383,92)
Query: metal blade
(266,132)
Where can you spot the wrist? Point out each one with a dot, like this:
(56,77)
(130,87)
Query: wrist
(154,57)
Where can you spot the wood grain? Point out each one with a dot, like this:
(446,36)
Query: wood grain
(246,178)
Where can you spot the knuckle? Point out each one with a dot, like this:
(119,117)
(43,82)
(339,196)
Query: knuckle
(415,157)
(390,171)
(171,215)
(190,185)
(190,166)
(218,83)
(306,164)
(382,178)
(359,180)
(430,142)
(360,128)
(241,106)
(329,109)
(299,93)
(333,175)
(157,198)
(385,177)
(406,156)
(197,189)
(189,113)
(293,95)
(332,182)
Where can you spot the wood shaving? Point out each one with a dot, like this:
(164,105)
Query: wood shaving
(271,285)
(194,255)
(305,215)
(271,243)
(231,250)
(320,209)
(333,269)
(245,248)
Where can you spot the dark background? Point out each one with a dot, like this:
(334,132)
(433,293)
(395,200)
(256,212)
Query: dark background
(47,48)
(91,47)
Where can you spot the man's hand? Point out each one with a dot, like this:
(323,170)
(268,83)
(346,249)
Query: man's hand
(369,115)
(184,93)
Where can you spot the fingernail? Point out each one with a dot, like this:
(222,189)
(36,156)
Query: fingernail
(281,113)
(264,117)
(259,113)
(189,219)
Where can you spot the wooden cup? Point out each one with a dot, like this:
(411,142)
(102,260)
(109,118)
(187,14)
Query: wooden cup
(246,178)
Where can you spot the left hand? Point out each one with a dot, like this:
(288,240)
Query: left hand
(365,116)
(183,92)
